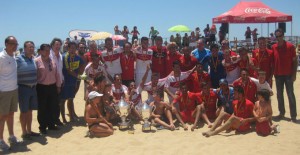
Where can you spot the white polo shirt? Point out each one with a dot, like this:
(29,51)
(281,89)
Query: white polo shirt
(112,61)
(8,72)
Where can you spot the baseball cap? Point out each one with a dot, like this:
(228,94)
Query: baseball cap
(94,94)
(223,81)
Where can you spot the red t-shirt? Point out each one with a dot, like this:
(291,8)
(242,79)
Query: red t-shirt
(188,103)
(196,80)
(187,63)
(169,62)
(250,89)
(283,58)
(244,110)
(159,60)
(244,64)
(88,55)
(264,60)
(210,103)
(127,66)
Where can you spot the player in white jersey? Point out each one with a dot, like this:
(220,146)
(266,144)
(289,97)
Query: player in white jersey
(261,82)
(119,91)
(173,81)
(230,64)
(111,58)
(144,58)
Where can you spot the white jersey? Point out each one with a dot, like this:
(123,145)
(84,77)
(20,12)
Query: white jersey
(261,86)
(173,83)
(148,87)
(91,72)
(232,71)
(143,58)
(112,61)
(119,92)
(136,98)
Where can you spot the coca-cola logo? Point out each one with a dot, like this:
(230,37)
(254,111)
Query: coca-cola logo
(258,10)
(282,18)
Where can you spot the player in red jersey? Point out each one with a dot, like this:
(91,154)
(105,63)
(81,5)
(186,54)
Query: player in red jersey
(187,62)
(247,84)
(159,57)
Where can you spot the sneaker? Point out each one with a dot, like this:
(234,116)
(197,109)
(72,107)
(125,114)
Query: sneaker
(13,140)
(279,117)
(4,146)
(26,137)
(294,120)
(43,131)
(34,134)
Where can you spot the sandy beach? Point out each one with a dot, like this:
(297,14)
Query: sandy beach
(70,139)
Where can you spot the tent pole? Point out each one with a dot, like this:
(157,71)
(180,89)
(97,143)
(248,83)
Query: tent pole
(228,32)
(261,27)
(268,31)
(292,28)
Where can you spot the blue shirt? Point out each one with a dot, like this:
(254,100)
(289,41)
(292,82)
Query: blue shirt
(199,55)
(75,65)
(217,70)
(225,101)
(26,70)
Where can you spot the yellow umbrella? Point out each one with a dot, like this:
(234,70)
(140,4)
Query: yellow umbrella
(100,35)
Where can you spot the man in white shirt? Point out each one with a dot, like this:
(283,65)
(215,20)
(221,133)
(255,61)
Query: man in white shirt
(143,59)
(8,90)
(111,58)
(55,55)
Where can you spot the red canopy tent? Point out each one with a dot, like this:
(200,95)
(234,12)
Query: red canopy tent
(252,12)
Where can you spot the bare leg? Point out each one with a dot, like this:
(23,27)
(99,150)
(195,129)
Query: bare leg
(101,130)
(205,118)
(62,110)
(29,121)
(23,122)
(71,108)
(10,123)
(159,121)
(2,122)
(169,116)
(231,122)
(197,116)
(176,113)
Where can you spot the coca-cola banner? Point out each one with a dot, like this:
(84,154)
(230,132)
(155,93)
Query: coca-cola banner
(252,12)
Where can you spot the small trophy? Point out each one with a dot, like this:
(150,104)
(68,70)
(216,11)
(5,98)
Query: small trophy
(123,109)
(146,113)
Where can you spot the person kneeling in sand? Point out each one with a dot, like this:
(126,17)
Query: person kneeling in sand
(239,120)
(162,111)
(263,113)
(98,126)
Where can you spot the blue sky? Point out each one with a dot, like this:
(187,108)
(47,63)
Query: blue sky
(41,20)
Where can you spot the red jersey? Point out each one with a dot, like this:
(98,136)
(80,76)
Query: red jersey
(250,88)
(243,110)
(127,65)
(283,58)
(264,61)
(196,80)
(88,55)
(188,103)
(169,62)
(187,63)
(244,64)
(159,60)
(210,103)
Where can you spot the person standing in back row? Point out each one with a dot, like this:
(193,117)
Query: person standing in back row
(285,70)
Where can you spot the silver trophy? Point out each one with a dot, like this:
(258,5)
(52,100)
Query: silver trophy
(123,109)
(146,113)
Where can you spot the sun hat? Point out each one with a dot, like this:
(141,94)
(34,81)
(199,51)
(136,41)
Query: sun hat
(94,94)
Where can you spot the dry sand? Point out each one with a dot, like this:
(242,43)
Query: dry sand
(71,138)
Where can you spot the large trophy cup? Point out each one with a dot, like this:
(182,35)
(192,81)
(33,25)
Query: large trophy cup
(123,109)
(146,113)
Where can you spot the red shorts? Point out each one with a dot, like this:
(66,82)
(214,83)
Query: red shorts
(187,117)
(263,128)
(244,127)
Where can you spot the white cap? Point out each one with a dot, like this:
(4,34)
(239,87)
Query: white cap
(94,94)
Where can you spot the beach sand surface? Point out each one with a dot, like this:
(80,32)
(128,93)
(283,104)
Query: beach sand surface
(71,138)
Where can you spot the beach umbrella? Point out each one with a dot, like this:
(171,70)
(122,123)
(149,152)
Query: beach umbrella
(100,36)
(117,37)
(179,28)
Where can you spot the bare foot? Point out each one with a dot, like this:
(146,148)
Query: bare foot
(172,127)
(209,125)
(193,128)
(185,127)
(208,134)
(64,120)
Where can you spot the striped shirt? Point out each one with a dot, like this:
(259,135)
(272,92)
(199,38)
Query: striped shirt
(27,71)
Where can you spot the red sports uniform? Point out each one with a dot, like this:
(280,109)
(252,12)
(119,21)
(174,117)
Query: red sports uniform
(159,60)
(169,62)
(244,64)
(263,128)
(243,110)
(264,61)
(187,105)
(250,89)
(88,55)
(127,65)
(210,103)
(197,79)
(187,63)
